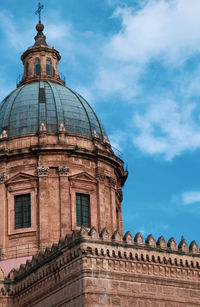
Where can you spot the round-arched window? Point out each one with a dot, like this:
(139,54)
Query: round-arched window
(48,67)
(37,67)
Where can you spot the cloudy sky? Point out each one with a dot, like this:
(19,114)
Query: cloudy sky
(137,62)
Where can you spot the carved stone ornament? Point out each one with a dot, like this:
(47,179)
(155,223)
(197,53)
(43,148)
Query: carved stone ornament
(62,128)
(42,171)
(4,149)
(63,170)
(43,127)
(106,140)
(95,134)
(3,134)
(112,182)
(100,177)
(2,178)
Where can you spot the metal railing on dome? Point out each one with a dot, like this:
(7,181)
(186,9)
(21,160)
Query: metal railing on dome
(19,79)
(117,152)
(62,76)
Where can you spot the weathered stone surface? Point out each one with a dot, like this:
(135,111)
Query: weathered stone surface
(110,274)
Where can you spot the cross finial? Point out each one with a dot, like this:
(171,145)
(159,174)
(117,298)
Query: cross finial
(38,12)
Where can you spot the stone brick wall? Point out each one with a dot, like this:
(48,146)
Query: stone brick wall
(52,173)
(92,269)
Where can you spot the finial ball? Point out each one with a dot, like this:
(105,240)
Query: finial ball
(39,27)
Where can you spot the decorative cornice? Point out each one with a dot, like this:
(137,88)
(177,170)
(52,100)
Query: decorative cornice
(43,171)
(63,170)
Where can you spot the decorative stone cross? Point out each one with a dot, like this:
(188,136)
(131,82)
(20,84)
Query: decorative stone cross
(38,12)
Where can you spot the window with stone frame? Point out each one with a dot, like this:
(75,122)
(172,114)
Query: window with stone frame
(82,210)
(22,211)
(37,67)
(48,67)
(27,69)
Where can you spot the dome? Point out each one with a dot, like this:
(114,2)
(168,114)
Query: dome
(44,102)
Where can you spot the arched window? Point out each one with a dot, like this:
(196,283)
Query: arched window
(37,67)
(48,67)
(27,68)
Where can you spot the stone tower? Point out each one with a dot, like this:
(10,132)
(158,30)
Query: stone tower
(58,171)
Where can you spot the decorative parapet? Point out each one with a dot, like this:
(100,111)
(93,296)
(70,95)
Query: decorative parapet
(63,170)
(43,171)
(138,256)
(3,178)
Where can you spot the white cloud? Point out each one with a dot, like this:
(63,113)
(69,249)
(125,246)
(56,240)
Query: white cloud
(166,128)
(164,31)
(169,29)
(57,31)
(118,80)
(187,198)
(117,140)
(18,38)
(191,197)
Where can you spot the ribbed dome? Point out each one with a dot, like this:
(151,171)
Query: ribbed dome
(23,111)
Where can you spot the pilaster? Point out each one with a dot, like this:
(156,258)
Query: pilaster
(65,204)
(3,211)
(43,196)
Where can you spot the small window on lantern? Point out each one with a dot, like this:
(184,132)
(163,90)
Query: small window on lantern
(48,67)
(37,67)
(27,69)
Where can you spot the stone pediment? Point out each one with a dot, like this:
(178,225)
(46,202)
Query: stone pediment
(83,176)
(19,178)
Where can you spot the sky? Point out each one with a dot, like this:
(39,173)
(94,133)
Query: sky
(137,62)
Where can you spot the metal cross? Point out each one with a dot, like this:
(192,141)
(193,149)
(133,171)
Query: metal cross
(38,12)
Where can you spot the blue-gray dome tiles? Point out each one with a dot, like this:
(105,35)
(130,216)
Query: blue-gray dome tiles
(50,103)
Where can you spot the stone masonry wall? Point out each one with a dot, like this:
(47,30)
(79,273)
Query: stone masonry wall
(52,173)
(92,269)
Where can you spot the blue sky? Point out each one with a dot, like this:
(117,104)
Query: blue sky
(137,62)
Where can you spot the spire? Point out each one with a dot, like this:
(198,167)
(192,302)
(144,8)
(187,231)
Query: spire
(38,12)
(40,60)
(40,38)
